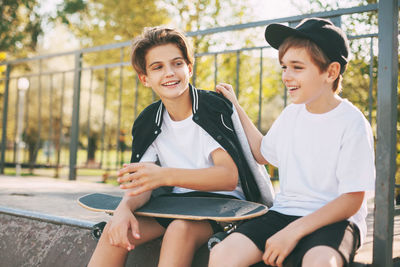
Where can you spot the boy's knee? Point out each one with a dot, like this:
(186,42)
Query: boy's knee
(179,227)
(235,250)
(322,256)
(218,255)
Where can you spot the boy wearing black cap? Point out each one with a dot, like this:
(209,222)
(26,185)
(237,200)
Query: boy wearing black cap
(324,149)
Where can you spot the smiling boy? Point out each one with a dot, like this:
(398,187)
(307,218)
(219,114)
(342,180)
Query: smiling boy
(189,132)
(324,149)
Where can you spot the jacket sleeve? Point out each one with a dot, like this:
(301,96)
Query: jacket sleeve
(261,175)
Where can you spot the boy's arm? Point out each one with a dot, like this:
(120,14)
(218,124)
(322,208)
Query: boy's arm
(124,220)
(133,203)
(278,246)
(254,136)
(143,176)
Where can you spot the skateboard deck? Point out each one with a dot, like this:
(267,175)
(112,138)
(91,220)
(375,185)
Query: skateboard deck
(189,208)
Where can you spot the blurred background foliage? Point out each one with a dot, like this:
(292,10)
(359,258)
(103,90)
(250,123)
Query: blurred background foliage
(27,28)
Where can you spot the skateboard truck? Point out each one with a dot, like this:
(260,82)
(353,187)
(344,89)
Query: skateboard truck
(97,230)
(218,237)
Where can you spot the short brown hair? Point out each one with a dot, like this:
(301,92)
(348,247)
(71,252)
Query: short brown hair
(156,36)
(318,57)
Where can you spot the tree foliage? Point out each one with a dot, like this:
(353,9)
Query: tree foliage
(109,21)
(22,22)
(100,22)
(17,19)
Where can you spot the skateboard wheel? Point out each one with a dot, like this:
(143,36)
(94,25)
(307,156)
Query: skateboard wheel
(97,230)
(215,239)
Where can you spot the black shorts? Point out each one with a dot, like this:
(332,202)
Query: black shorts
(164,222)
(342,236)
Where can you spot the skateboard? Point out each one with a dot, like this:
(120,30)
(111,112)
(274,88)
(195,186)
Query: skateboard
(229,211)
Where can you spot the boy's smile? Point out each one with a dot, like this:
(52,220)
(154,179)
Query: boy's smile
(305,82)
(168,73)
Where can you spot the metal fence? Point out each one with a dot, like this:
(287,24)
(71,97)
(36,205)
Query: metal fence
(62,117)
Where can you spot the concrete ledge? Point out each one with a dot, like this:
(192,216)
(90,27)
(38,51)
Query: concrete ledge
(46,218)
(42,225)
(35,239)
(26,241)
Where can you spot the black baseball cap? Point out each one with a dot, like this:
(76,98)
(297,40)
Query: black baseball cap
(331,39)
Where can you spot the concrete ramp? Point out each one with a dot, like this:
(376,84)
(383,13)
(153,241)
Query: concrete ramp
(41,224)
(33,239)
(46,227)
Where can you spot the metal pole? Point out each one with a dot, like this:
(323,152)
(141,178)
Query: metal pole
(74,136)
(51,138)
(136,97)
(103,126)
(60,132)
(194,72)
(16,123)
(120,137)
(237,72)
(371,79)
(89,115)
(27,98)
(5,113)
(21,104)
(260,90)
(386,132)
(39,137)
(215,69)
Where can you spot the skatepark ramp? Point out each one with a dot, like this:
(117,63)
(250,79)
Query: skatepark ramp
(41,224)
(47,228)
(35,239)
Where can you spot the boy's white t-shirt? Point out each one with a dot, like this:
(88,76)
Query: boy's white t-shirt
(320,157)
(185,145)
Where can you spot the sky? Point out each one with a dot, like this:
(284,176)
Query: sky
(270,9)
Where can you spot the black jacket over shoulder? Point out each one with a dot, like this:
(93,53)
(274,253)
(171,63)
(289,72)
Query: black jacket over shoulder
(212,112)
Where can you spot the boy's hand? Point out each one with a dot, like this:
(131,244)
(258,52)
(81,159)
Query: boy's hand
(122,226)
(227,91)
(279,246)
(142,177)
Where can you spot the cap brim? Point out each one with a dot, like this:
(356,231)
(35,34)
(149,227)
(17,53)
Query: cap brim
(275,34)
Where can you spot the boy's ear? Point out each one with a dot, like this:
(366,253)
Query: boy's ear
(143,79)
(333,71)
(190,66)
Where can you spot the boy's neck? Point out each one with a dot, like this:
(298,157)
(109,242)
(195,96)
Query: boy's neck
(324,104)
(179,108)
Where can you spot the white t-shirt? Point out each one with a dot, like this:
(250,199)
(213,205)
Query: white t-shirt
(320,157)
(185,145)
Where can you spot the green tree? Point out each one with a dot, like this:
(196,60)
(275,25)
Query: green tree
(109,21)
(22,23)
